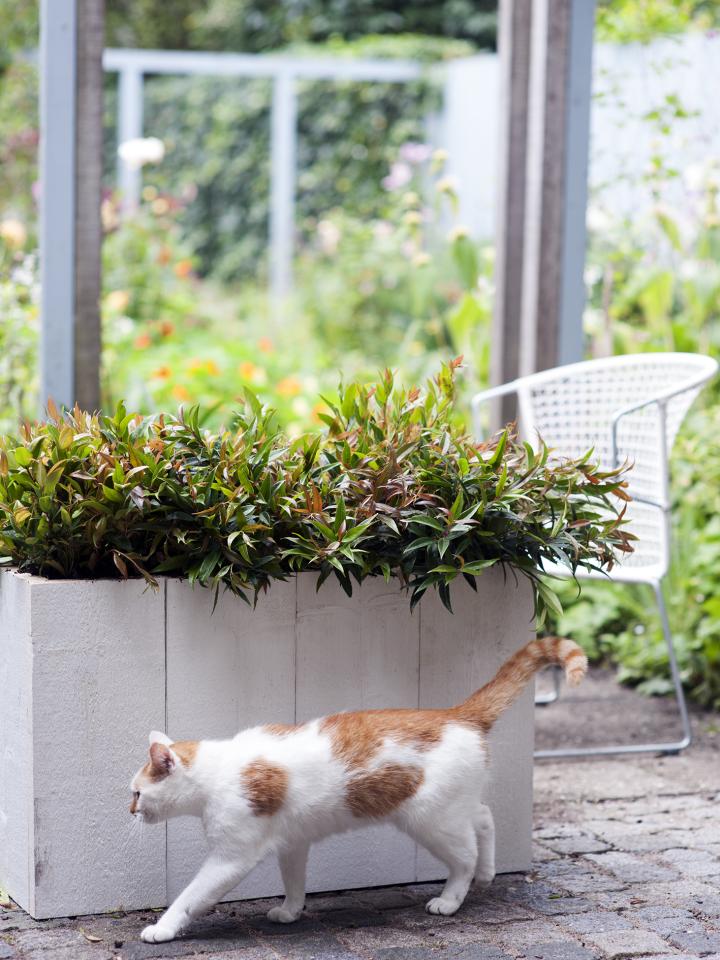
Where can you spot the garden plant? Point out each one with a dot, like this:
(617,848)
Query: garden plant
(390,487)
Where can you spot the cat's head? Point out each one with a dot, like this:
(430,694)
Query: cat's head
(163,787)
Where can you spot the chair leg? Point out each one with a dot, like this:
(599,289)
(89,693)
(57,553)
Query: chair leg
(544,699)
(672,747)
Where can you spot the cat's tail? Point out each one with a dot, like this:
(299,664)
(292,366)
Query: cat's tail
(485,706)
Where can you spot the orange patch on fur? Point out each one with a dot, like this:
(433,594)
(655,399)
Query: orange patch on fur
(378,792)
(356,737)
(266,786)
(281,729)
(186,750)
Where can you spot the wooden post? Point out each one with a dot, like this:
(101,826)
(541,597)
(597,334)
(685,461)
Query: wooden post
(71,45)
(546,78)
(514,54)
(556,183)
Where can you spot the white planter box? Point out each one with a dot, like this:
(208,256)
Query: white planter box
(88,668)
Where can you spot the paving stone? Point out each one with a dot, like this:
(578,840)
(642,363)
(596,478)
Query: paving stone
(301,947)
(7,952)
(693,863)
(546,900)
(627,943)
(596,921)
(476,951)
(368,940)
(560,951)
(388,898)
(519,938)
(631,869)
(350,919)
(583,843)
(707,906)
(700,943)
(659,913)
(307,923)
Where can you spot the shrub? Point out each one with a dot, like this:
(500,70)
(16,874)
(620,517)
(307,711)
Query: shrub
(216,132)
(390,488)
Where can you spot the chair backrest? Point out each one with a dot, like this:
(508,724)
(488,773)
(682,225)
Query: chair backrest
(574,408)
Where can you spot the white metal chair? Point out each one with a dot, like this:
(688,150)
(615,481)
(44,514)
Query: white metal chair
(626,408)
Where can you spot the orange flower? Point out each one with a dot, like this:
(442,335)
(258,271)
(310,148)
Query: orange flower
(162,373)
(183,268)
(289,387)
(317,410)
(265,344)
(160,206)
(143,341)
(247,370)
(117,300)
(166,328)
(163,257)
(180,392)
(195,365)
(212,368)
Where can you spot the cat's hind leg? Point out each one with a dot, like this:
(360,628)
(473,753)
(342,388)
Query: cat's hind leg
(456,845)
(293,863)
(485,835)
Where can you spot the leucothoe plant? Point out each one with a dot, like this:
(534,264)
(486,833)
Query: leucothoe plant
(391,487)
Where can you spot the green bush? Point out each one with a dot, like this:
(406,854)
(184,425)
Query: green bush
(217,137)
(390,488)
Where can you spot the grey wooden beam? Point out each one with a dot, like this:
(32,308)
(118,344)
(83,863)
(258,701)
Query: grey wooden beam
(71,41)
(515,20)
(88,190)
(556,183)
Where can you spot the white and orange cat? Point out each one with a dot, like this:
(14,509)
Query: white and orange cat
(277,789)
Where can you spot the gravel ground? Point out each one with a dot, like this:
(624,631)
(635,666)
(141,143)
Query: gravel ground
(626,864)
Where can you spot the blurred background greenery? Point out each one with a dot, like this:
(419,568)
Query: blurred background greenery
(386,275)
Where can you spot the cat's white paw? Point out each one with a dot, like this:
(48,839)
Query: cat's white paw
(483,881)
(445,908)
(282,915)
(157,933)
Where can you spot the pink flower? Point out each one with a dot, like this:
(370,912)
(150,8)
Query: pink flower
(415,153)
(400,175)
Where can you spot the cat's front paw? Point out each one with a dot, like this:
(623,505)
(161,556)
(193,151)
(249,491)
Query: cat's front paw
(439,905)
(283,915)
(157,933)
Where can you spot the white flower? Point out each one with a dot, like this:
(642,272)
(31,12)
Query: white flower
(458,233)
(136,153)
(447,185)
(694,176)
(328,236)
(598,220)
(400,175)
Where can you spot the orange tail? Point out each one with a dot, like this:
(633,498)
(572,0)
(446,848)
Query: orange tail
(485,706)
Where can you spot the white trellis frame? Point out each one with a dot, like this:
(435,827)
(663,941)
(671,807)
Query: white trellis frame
(545,51)
(284,72)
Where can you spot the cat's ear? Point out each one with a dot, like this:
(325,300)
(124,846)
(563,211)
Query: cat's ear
(162,759)
(157,737)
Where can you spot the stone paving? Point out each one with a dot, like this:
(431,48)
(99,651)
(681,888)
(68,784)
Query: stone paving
(626,864)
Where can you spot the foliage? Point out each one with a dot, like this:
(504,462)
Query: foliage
(620,623)
(18,139)
(218,148)
(627,21)
(256,26)
(655,285)
(18,331)
(390,488)
(401,292)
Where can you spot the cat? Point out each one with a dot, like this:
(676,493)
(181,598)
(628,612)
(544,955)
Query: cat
(278,788)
